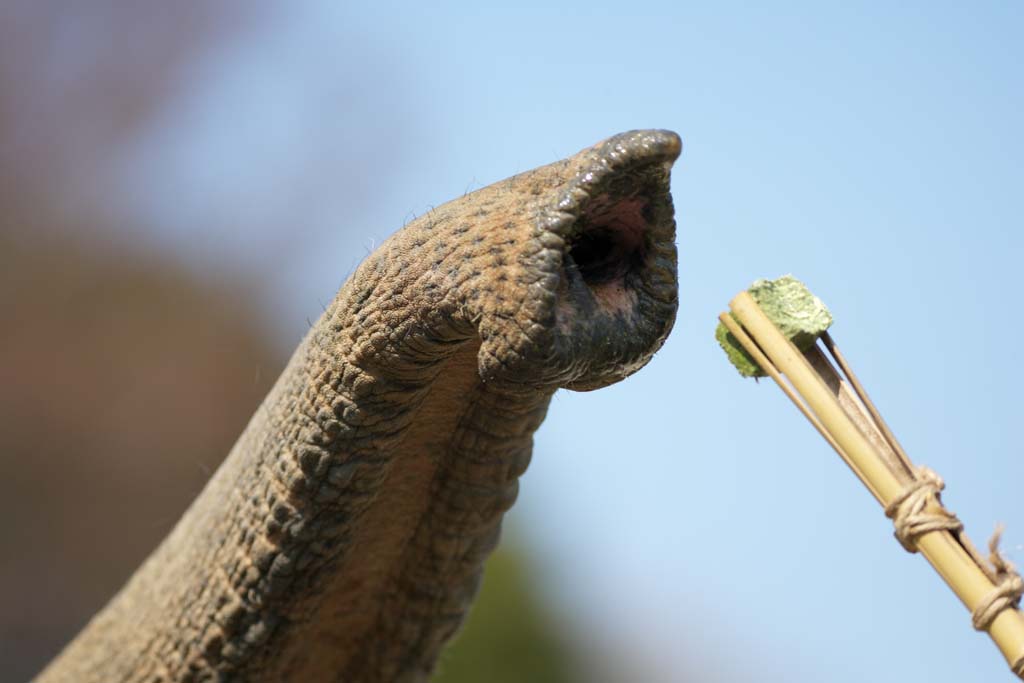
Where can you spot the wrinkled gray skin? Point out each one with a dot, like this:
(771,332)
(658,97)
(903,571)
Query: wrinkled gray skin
(343,537)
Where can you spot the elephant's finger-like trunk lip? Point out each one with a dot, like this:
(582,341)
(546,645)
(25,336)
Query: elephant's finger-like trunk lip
(605,292)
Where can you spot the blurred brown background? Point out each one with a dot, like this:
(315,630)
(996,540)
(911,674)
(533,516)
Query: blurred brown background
(122,378)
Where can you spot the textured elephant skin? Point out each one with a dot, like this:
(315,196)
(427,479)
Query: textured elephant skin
(343,537)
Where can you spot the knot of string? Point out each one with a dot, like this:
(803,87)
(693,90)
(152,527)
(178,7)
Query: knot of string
(1007,593)
(909,514)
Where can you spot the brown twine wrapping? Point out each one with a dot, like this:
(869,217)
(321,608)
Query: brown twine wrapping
(1007,593)
(912,520)
(909,514)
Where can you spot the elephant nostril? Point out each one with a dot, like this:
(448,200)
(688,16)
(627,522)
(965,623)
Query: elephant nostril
(601,255)
(609,240)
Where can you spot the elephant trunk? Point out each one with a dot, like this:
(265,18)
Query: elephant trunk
(344,535)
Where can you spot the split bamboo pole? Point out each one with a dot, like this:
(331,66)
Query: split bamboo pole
(886,475)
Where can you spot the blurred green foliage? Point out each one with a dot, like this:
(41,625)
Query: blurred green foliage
(509,636)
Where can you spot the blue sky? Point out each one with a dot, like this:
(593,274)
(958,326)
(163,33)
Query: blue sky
(873,150)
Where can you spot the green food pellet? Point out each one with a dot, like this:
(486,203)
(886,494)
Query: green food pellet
(799,315)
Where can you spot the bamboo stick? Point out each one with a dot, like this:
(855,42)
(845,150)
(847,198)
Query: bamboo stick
(893,450)
(969,580)
(737,331)
(890,438)
(853,406)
